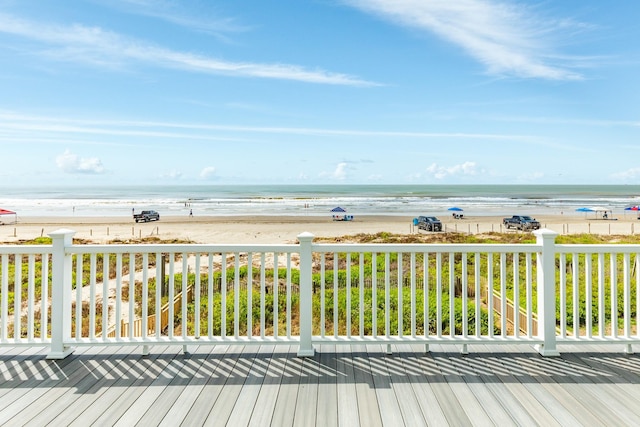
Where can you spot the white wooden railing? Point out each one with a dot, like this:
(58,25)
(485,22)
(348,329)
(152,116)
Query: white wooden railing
(309,293)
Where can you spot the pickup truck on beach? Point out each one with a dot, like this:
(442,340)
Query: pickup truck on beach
(146,216)
(521,222)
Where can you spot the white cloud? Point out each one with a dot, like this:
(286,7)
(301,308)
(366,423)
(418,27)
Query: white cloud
(507,37)
(338,174)
(627,175)
(72,163)
(441,172)
(173,174)
(208,173)
(93,45)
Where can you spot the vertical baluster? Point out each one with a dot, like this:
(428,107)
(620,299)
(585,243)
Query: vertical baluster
(118,321)
(172,296)
(276,281)
(79,262)
(159,285)
(563,298)
(105,296)
(223,295)
(132,294)
(439,294)
(322,295)
(478,291)
(614,295)
(387,295)
(627,295)
(412,272)
(92,295)
(196,296)
(336,258)
(490,292)
(637,261)
(210,297)
(348,290)
(400,296)
(516,294)
(576,301)
(31,296)
(236,297)
(529,285)
(465,311)
(503,294)
(374,294)
(44,298)
(17,295)
(425,295)
(288,295)
(185,295)
(361,309)
(145,296)
(452,295)
(4,299)
(249,294)
(262,295)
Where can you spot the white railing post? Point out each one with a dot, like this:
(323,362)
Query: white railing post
(546,239)
(306,294)
(60,294)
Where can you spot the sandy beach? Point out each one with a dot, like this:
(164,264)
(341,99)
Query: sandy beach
(284,229)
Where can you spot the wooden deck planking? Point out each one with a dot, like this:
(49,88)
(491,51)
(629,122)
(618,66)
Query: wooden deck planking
(269,385)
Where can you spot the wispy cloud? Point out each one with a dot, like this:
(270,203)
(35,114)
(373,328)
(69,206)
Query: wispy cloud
(507,37)
(94,45)
(13,124)
(194,16)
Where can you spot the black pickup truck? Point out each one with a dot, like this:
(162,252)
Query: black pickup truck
(146,216)
(521,222)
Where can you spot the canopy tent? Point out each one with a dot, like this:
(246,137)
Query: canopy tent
(455,209)
(340,210)
(4,213)
(599,211)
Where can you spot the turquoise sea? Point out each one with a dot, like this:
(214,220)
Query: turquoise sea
(231,200)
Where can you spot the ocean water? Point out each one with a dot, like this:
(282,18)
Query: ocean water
(316,200)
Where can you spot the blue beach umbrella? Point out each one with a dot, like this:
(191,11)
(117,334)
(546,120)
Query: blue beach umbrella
(338,209)
(584,210)
(632,208)
(455,208)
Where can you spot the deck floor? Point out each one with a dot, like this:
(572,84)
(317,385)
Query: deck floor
(340,386)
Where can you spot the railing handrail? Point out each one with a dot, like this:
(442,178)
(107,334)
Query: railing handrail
(349,280)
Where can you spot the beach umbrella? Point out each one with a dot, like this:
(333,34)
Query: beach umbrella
(338,209)
(455,208)
(584,210)
(632,208)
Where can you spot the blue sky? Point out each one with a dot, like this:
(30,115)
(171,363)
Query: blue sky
(319,91)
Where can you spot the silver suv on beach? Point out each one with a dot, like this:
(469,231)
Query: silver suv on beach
(429,223)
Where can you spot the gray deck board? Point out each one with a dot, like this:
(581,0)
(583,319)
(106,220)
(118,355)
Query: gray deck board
(420,382)
(267,397)
(340,385)
(327,406)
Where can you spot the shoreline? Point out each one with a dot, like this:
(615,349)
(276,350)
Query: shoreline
(265,229)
